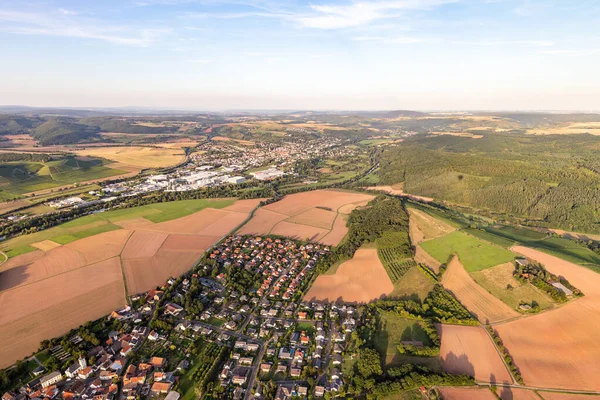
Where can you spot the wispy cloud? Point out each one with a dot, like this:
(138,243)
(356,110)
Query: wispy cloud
(202,61)
(391,39)
(361,13)
(571,52)
(65,23)
(501,42)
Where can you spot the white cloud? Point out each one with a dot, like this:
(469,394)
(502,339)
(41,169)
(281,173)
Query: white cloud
(62,23)
(202,61)
(361,13)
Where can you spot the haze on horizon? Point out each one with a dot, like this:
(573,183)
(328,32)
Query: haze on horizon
(297,54)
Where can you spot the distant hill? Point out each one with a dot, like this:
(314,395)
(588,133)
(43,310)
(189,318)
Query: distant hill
(64,131)
(404,113)
(17,124)
(126,125)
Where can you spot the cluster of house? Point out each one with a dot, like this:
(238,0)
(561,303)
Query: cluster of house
(283,263)
(237,370)
(93,380)
(243,157)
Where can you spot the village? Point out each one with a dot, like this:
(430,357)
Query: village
(234,327)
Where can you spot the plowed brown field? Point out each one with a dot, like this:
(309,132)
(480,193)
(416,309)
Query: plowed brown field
(469,350)
(559,348)
(479,301)
(360,280)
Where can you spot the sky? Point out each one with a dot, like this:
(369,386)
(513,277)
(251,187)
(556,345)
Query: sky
(295,54)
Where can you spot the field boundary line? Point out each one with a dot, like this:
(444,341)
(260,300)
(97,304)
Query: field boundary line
(512,376)
(123,268)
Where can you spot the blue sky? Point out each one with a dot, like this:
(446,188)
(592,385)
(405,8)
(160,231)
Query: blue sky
(293,54)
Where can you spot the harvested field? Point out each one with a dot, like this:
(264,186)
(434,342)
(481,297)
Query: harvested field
(582,278)
(430,227)
(18,302)
(567,396)
(316,215)
(262,222)
(188,243)
(134,223)
(143,244)
(338,232)
(508,393)
(192,224)
(348,208)
(422,257)
(414,232)
(462,393)
(460,134)
(566,355)
(45,245)
(244,206)
(399,192)
(22,336)
(486,307)
(46,294)
(469,350)
(299,231)
(143,274)
(57,261)
(413,284)
(360,280)
(143,157)
(112,245)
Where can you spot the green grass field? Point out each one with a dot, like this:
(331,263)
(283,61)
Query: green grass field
(495,281)
(475,254)
(394,329)
(17,178)
(103,222)
(414,285)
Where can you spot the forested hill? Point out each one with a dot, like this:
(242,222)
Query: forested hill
(553,179)
(64,131)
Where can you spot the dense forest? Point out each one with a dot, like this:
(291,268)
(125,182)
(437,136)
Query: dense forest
(552,179)
(64,131)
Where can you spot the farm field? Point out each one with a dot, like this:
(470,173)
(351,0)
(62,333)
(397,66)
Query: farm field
(414,284)
(392,330)
(138,157)
(395,262)
(567,396)
(429,226)
(508,393)
(422,257)
(128,218)
(486,307)
(18,178)
(496,279)
(566,357)
(317,215)
(475,254)
(360,280)
(471,393)
(92,275)
(469,350)
(399,192)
